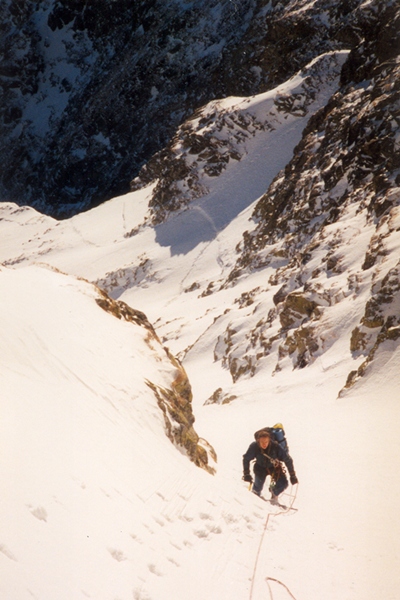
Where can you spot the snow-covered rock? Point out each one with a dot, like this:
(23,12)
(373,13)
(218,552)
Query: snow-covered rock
(92,91)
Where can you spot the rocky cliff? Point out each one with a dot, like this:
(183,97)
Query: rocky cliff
(346,165)
(91,92)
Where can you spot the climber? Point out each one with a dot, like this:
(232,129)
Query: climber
(268,456)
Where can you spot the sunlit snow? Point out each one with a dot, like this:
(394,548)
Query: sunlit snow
(98,503)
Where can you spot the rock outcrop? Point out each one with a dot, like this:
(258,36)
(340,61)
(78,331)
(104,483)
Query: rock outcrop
(174,401)
(347,163)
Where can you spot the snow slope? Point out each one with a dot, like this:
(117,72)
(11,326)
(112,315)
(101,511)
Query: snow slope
(99,504)
(85,455)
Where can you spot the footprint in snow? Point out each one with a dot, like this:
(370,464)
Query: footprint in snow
(185,518)
(183,497)
(153,569)
(175,545)
(333,546)
(139,594)
(214,528)
(168,518)
(40,513)
(205,517)
(201,533)
(4,550)
(117,555)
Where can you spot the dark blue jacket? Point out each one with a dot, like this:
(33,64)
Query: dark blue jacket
(263,458)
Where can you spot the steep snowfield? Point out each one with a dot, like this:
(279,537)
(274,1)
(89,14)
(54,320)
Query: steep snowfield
(98,503)
(80,434)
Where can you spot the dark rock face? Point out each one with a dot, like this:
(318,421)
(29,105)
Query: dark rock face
(355,136)
(348,161)
(92,90)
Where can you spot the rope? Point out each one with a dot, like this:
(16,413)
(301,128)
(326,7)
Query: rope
(267,579)
(257,557)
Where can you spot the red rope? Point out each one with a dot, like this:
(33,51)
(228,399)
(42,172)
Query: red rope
(267,579)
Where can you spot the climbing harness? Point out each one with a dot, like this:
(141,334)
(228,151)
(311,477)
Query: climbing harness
(276,463)
(278,470)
